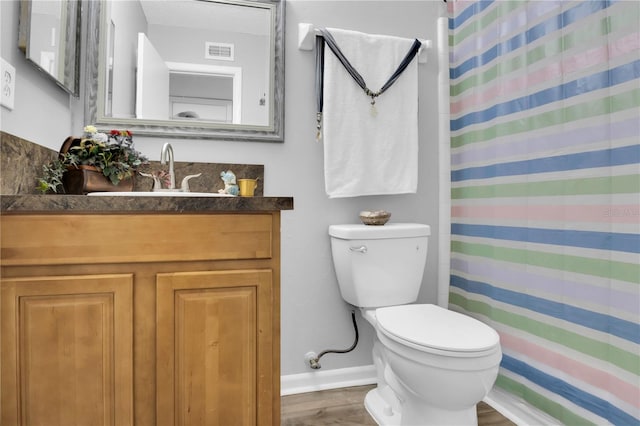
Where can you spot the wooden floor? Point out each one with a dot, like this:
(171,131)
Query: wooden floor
(345,407)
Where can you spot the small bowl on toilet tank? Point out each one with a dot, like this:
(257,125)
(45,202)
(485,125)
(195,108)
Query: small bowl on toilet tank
(376,218)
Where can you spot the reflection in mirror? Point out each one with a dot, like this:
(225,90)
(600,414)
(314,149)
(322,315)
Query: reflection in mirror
(49,36)
(191,68)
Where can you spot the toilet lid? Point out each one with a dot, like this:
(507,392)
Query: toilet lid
(431,326)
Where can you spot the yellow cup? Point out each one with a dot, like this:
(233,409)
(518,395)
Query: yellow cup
(247,187)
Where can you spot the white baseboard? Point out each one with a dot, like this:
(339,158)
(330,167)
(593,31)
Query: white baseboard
(327,379)
(516,410)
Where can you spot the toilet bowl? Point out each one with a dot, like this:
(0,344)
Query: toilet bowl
(433,365)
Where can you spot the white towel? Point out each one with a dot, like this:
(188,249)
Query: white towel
(366,154)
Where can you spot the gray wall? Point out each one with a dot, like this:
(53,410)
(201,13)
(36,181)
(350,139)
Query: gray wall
(42,110)
(314,316)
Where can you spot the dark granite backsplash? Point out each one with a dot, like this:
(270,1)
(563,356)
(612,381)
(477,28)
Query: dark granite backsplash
(209,181)
(21,164)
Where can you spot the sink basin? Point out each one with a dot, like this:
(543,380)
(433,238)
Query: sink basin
(158,194)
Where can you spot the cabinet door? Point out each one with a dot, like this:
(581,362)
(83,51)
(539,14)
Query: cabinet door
(67,350)
(214,348)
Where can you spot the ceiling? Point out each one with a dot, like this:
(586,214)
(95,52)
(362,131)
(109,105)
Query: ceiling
(228,17)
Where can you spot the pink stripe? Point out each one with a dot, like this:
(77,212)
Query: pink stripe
(593,376)
(622,213)
(568,65)
(457,6)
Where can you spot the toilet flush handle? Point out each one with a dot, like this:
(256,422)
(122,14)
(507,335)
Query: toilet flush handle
(361,249)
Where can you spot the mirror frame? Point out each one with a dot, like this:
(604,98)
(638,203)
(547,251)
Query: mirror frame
(24,35)
(274,132)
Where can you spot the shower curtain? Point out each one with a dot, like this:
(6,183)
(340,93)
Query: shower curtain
(545,197)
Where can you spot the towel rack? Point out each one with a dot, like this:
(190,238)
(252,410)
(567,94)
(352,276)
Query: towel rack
(307,33)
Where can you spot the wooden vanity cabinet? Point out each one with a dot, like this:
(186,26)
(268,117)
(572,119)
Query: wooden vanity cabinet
(147,319)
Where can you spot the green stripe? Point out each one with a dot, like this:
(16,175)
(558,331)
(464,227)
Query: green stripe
(623,271)
(598,349)
(550,407)
(584,35)
(593,108)
(625,184)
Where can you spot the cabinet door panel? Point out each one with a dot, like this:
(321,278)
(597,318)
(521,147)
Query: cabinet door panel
(213,335)
(67,351)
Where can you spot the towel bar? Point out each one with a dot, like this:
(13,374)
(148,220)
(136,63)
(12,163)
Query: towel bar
(307,33)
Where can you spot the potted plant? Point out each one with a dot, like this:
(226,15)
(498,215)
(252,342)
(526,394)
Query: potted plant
(95,162)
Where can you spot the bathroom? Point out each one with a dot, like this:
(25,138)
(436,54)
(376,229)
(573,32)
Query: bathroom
(313,316)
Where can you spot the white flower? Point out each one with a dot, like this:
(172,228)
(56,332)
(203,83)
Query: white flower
(100,137)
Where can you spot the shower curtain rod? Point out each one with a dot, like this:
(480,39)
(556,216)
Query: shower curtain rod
(307,33)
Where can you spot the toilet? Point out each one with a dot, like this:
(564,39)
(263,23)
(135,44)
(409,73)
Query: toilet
(433,365)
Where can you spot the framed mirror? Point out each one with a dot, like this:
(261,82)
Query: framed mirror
(49,35)
(206,69)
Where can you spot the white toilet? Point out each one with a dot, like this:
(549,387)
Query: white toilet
(433,365)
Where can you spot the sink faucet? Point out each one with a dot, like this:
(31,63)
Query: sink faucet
(167,151)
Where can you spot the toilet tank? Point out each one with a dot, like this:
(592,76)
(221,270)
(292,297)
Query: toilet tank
(379,265)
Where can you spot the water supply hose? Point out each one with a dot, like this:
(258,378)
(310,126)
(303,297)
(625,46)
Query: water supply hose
(314,362)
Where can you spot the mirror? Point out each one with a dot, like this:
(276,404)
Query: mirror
(49,35)
(209,69)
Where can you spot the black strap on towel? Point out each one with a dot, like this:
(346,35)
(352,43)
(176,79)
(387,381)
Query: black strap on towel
(326,37)
(319,84)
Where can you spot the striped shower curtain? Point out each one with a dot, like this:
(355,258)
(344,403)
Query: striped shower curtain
(545,217)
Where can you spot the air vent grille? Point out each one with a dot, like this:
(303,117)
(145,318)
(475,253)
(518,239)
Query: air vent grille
(220,51)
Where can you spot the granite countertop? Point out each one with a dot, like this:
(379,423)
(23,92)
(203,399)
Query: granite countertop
(21,164)
(16,204)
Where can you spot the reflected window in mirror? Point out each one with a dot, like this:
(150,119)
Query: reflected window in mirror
(192,68)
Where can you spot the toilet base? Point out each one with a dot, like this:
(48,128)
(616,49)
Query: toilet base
(380,410)
(382,413)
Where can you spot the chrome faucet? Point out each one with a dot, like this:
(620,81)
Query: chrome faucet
(167,151)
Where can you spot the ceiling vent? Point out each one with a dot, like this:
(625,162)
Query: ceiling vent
(219,51)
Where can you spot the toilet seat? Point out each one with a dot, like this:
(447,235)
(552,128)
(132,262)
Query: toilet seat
(430,328)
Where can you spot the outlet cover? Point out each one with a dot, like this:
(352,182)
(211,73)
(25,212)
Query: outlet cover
(7,84)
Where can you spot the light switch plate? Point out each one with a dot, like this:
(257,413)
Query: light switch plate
(7,84)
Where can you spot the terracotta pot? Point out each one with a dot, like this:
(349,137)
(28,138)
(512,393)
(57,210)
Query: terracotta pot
(84,179)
